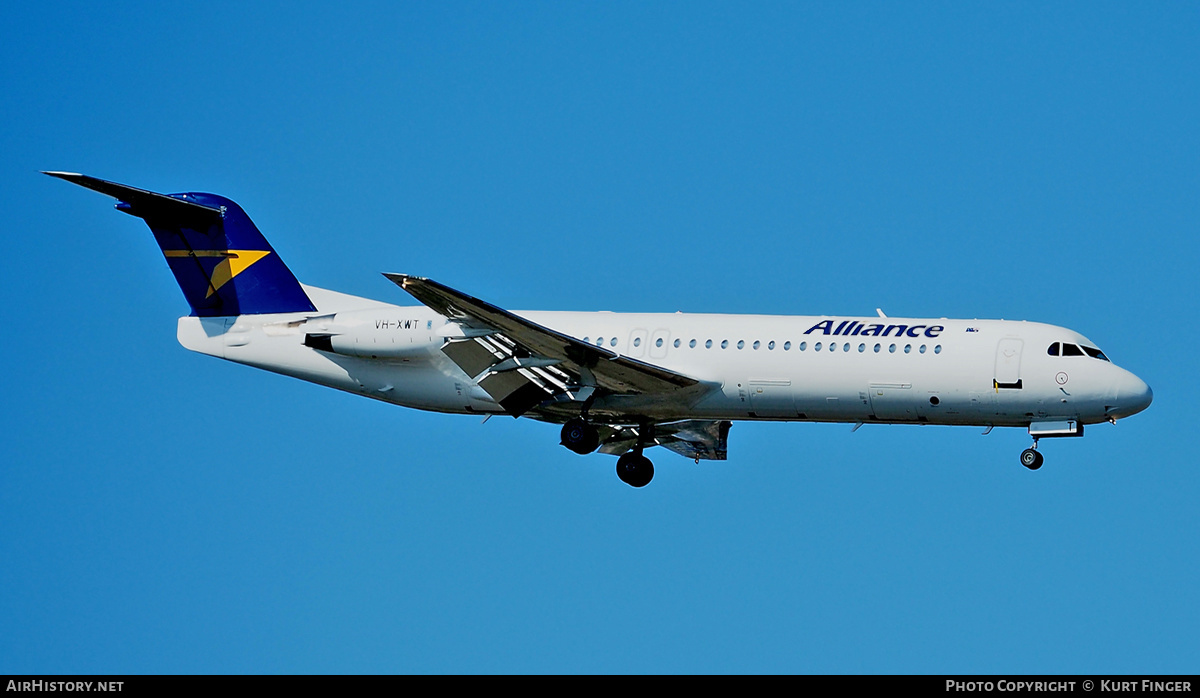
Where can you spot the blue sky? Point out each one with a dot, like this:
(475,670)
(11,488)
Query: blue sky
(162,511)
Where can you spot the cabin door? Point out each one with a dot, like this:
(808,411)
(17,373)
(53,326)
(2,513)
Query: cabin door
(1008,364)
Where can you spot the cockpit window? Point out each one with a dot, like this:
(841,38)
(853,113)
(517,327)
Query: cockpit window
(1064,349)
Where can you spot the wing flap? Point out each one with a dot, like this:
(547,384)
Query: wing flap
(471,356)
(515,391)
(698,439)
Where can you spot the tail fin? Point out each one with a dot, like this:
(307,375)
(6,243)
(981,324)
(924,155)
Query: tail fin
(222,262)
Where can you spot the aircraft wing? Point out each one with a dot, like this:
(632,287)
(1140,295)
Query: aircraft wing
(698,439)
(528,363)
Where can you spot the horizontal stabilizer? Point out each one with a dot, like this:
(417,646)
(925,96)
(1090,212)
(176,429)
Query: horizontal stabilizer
(139,202)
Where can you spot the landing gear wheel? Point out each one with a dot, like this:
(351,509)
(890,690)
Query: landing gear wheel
(634,469)
(580,437)
(1031,459)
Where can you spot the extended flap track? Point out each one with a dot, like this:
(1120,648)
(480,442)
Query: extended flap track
(515,379)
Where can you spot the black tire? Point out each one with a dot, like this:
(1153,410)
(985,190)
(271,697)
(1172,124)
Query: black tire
(579,436)
(1031,459)
(635,470)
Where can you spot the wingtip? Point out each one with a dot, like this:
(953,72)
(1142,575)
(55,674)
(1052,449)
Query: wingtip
(400,279)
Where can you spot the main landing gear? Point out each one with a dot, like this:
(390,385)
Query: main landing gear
(634,469)
(1030,458)
(580,436)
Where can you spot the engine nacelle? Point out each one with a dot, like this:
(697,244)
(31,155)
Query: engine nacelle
(384,333)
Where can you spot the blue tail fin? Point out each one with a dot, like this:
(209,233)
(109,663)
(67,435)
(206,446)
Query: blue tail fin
(222,262)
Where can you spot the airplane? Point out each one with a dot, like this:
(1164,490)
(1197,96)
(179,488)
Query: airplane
(619,383)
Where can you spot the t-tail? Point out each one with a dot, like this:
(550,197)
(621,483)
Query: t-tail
(223,264)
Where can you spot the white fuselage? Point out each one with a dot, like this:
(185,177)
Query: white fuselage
(791,368)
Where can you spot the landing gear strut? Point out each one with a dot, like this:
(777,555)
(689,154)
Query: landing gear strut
(1030,458)
(634,469)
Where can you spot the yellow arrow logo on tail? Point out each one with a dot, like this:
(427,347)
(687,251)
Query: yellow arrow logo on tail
(234,262)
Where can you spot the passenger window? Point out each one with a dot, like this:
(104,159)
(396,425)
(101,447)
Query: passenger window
(755,345)
(1071,350)
(922,349)
(676,343)
(741,344)
(1054,349)
(937,349)
(637,341)
(612,342)
(817,346)
(724,343)
(787,346)
(692,344)
(862,348)
(892,349)
(907,348)
(770,345)
(708,344)
(877,348)
(803,346)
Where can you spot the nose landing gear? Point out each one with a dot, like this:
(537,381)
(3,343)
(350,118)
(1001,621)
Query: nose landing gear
(1030,458)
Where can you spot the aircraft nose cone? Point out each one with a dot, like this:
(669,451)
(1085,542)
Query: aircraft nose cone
(1133,396)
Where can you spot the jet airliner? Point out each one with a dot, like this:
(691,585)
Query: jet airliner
(619,383)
